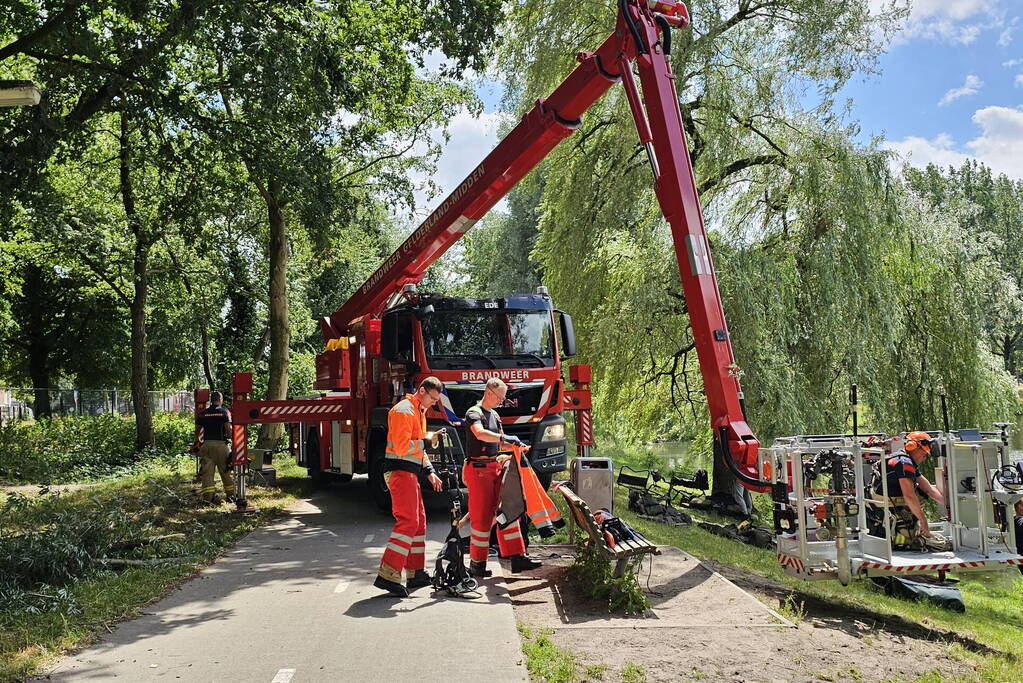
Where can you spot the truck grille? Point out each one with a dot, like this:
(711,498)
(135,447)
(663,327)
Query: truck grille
(519,401)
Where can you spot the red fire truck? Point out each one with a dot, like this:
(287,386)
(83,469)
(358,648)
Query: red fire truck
(388,336)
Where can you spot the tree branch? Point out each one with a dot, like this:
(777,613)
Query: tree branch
(740,165)
(26,41)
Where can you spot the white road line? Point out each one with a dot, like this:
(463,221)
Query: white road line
(283,676)
(341,586)
(331,533)
(368,539)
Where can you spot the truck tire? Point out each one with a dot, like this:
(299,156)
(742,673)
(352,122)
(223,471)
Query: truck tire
(545,479)
(377,486)
(312,445)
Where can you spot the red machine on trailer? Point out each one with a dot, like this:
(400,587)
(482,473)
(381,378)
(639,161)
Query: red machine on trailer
(387,336)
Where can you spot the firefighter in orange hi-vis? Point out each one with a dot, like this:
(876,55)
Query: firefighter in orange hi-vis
(405,462)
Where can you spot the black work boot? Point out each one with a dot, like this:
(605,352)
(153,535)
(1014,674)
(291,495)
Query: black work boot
(479,569)
(392,587)
(524,563)
(418,580)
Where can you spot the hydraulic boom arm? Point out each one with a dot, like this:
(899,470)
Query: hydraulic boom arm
(643,37)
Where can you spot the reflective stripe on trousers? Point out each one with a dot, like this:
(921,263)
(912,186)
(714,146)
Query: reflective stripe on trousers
(406,546)
(484,484)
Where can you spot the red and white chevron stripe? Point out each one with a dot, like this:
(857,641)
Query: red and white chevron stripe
(789,561)
(935,567)
(325,409)
(585,426)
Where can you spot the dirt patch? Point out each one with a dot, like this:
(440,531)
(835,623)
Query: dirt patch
(702,626)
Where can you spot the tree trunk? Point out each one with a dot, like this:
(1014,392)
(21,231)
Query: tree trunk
(38,345)
(280,332)
(140,264)
(1008,349)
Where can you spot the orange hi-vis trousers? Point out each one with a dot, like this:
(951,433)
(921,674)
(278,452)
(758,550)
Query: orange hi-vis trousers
(483,479)
(406,547)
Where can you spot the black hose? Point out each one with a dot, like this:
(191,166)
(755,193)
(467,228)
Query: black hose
(722,443)
(641,48)
(665,33)
(855,415)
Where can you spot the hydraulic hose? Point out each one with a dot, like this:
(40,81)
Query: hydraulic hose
(641,48)
(665,33)
(747,480)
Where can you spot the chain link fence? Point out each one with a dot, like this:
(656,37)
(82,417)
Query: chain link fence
(17,403)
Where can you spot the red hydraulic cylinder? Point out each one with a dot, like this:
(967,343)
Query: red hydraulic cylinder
(675,187)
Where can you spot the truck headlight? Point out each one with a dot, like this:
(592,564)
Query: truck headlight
(553,432)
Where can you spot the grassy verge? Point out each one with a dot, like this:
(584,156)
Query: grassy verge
(42,622)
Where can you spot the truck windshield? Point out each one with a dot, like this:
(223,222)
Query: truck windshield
(482,336)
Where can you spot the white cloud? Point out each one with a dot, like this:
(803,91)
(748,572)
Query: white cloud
(470,140)
(1019,80)
(1012,62)
(958,22)
(1000,145)
(920,152)
(969,87)
(1005,37)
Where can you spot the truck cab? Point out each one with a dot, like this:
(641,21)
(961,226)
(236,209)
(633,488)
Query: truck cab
(464,342)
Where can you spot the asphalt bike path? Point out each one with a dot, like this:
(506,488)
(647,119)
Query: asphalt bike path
(294,602)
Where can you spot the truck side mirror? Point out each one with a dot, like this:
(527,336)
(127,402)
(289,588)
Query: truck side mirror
(424,312)
(388,337)
(396,337)
(567,334)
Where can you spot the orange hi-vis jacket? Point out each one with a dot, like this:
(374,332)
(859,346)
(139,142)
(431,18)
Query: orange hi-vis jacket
(406,435)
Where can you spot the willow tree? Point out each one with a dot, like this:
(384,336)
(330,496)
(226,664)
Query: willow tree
(810,233)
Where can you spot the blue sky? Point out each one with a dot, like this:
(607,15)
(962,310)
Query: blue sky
(950,88)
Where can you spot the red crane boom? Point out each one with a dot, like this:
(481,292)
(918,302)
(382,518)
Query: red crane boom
(642,37)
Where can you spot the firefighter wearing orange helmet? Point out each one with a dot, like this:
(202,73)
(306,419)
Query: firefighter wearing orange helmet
(904,481)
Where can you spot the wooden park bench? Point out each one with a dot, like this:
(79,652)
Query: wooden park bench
(622,552)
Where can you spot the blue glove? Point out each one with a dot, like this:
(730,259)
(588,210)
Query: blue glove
(508,438)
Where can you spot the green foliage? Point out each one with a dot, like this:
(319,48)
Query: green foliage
(594,574)
(71,449)
(830,271)
(989,210)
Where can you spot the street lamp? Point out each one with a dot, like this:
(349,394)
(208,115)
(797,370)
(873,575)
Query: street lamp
(19,93)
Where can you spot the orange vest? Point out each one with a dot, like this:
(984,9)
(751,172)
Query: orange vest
(406,434)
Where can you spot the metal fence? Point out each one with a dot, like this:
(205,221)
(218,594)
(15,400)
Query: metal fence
(20,403)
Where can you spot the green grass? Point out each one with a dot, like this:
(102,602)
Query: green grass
(633,673)
(93,605)
(544,660)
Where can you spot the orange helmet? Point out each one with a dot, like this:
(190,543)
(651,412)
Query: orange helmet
(916,440)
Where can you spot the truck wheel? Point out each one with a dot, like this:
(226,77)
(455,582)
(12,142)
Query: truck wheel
(377,486)
(312,445)
(545,479)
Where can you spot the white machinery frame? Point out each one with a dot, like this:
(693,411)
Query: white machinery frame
(827,537)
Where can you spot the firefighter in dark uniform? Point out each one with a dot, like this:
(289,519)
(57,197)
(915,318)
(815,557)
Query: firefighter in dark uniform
(904,480)
(482,476)
(215,450)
